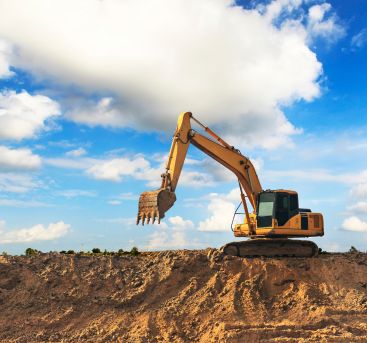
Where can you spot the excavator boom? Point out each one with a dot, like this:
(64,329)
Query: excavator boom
(154,204)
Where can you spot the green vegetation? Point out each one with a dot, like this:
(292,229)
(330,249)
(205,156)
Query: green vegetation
(353,250)
(134,251)
(95,252)
(31,252)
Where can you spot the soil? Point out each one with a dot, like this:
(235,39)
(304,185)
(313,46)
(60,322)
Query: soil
(183,296)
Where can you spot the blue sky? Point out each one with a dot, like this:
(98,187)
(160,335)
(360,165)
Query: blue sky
(90,93)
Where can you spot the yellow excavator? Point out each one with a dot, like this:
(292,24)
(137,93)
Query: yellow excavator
(275,218)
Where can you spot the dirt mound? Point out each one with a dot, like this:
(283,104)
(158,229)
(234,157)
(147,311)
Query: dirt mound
(183,296)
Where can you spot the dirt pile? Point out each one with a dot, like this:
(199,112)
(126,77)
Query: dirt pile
(183,296)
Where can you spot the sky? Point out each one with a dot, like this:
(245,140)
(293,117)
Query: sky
(90,93)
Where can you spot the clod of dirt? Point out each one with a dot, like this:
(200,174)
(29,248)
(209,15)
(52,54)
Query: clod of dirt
(183,296)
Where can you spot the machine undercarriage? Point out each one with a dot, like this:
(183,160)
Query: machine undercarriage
(271,247)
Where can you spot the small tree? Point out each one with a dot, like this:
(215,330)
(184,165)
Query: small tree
(353,250)
(31,252)
(96,251)
(120,252)
(70,252)
(134,251)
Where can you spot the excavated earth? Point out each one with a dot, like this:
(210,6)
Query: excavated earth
(183,296)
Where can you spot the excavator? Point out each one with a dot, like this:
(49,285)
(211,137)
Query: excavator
(276,218)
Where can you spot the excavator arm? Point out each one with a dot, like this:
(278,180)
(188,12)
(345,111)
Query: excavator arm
(154,204)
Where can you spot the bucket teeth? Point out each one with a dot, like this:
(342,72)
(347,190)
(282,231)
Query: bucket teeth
(153,205)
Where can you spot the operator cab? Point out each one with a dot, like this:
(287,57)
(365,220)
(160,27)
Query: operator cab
(279,204)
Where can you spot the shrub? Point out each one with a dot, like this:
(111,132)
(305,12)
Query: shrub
(96,251)
(70,252)
(31,252)
(134,251)
(353,250)
(62,252)
(120,252)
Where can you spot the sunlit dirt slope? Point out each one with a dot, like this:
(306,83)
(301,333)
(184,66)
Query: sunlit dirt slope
(183,296)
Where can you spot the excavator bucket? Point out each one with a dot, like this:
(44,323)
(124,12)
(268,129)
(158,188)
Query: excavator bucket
(154,204)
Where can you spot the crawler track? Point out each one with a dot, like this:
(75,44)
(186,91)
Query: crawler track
(271,248)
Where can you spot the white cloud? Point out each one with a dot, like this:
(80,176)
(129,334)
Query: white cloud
(5,53)
(35,233)
(76,152)
(354,224)
(277,7)
(359,207)
(103,113)
(317,175)
(225,63)
(360,39)
(118,200)
(359,191)
(115,169)
(72,163)
(23,115)
(173,234)
(73,193)
(121,221)
(127,196)
(18,159)
(22,203)
(137,167)
(115,202)
(65,144)
(320,26)
(221,212)
(17,183)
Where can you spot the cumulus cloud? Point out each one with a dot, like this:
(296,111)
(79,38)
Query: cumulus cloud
(18,159)
(103,113)
(221,208)
(319,25)
(359,191)
(172,235)
(76,152)
(155,59)
(23,115)
(35,233)
(114,169)
(137,167)
(354,224)
(5,53)
(359,207)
